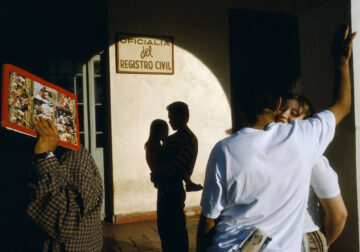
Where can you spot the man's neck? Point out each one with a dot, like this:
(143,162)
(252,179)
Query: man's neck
(263,120)
(182,128)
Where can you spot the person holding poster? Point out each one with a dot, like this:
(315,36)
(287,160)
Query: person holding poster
(67,194)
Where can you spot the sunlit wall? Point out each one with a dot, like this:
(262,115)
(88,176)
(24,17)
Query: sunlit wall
(137,99)
(355,23)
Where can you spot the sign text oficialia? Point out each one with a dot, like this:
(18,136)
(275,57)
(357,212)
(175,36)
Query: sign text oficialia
(144,54)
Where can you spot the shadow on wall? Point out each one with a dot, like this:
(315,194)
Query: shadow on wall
(34,34)
(264,47)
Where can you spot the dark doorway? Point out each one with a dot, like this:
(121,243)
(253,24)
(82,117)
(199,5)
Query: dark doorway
(264,52)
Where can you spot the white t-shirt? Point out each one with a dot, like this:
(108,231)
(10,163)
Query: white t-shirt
(261,178)
(324,185)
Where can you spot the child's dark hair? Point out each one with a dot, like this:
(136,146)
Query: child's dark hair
(304,103)
(156,126)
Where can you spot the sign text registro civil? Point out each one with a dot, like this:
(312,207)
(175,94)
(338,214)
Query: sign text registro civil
(144,54)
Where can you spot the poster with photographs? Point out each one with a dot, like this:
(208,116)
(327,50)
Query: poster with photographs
(65,120)
(44,101)
(19,100)
(26,96)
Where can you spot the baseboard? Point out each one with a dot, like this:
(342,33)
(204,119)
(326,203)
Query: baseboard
(149,216)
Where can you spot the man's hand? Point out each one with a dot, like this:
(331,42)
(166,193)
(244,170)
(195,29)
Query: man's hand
(347,46)
(342,45)
(154,180)
(48,138)
(341,52)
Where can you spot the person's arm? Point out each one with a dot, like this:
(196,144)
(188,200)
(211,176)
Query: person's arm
(204,232)
(178,163)
(214,196)
(335,215)
(324,182)
(156,163)
(193,160)
(155,159)
(58,206)
(342,104)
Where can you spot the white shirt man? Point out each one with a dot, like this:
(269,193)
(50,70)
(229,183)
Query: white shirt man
(257,179)
(260,176)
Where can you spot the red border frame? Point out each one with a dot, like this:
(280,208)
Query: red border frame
(5,94)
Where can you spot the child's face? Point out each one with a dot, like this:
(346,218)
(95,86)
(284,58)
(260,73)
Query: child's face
(289,111)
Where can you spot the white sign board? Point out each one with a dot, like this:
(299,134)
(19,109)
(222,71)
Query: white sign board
(144,54)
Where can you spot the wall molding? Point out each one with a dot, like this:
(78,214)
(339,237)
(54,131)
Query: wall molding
(150,216)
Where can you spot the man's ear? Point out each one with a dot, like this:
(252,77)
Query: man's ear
(278,104)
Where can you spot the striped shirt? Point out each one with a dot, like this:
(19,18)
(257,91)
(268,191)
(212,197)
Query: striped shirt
(66,202)
(181,150)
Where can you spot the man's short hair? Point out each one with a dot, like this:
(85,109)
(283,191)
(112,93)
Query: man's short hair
(180,109)
(256,100)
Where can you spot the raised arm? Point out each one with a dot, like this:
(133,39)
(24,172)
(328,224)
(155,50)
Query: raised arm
(58,205)
(334,217)
(342,53)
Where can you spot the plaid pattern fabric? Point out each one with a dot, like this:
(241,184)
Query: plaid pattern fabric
(67,202)
(181,150)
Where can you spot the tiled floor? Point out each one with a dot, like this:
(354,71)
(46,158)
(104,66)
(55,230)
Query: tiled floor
(141,236)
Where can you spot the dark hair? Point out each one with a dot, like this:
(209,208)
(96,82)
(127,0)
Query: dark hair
(156,126)
(256,100)
(308,109)
(180,109)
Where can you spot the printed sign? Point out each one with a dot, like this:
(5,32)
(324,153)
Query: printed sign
(143,54)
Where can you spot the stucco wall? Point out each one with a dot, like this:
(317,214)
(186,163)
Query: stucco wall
(201,45)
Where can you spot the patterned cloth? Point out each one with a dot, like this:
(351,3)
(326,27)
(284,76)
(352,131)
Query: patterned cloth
(181,150)
(314,242)
(66,202)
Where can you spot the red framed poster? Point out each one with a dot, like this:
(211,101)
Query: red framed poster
(26,96)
